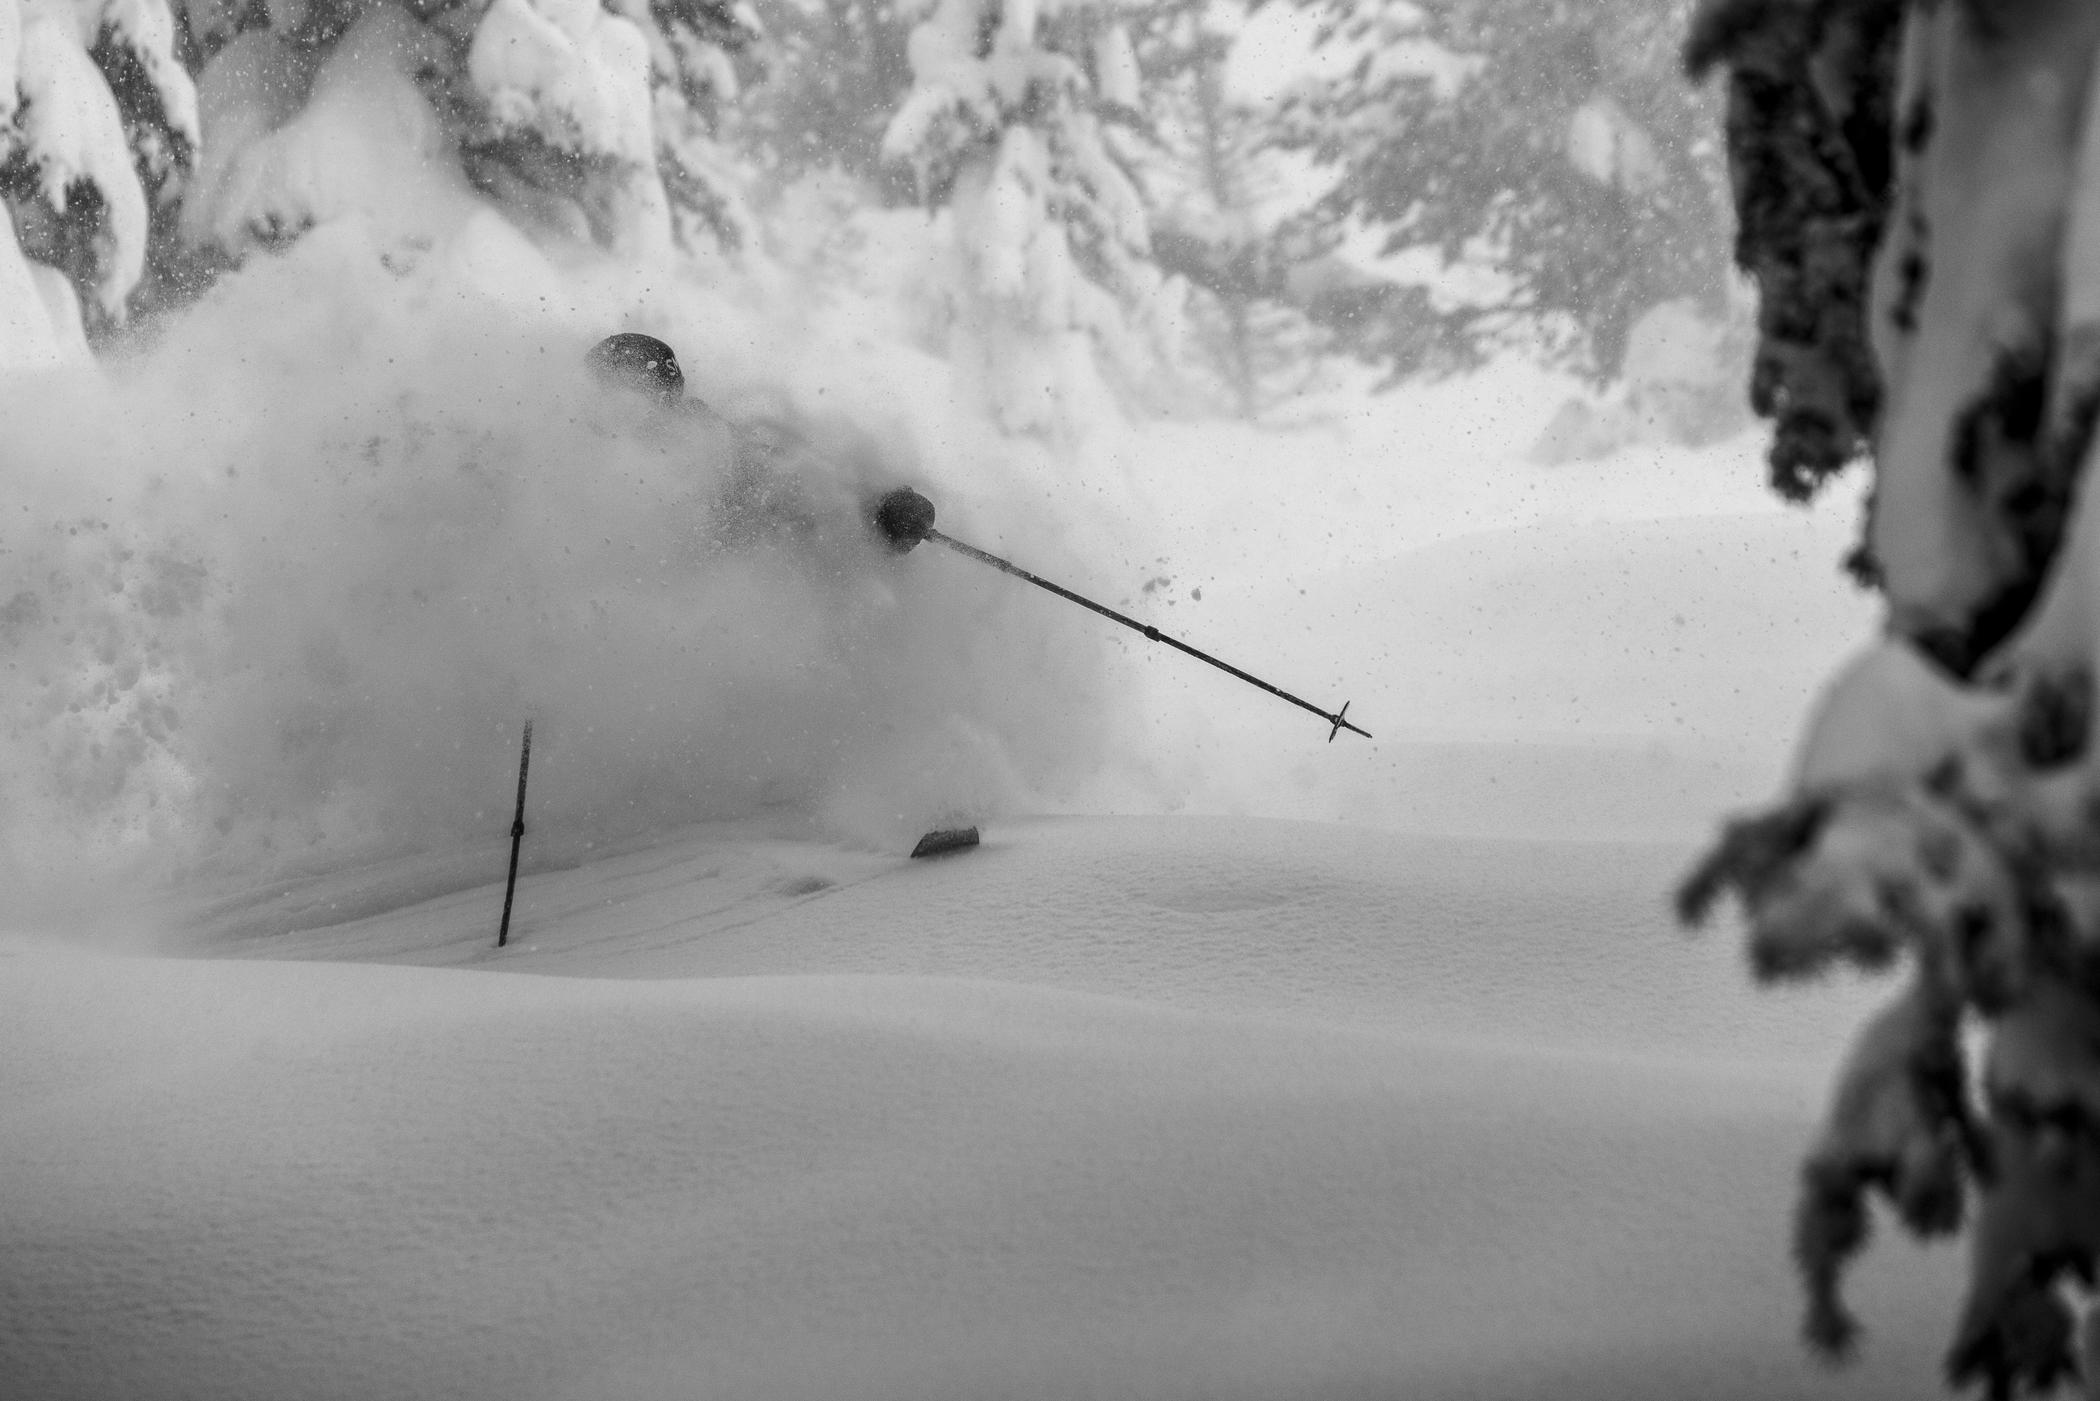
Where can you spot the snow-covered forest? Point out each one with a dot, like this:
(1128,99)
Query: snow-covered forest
(1089,207)
(1570,389)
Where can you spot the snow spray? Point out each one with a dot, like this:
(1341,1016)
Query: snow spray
(275,586)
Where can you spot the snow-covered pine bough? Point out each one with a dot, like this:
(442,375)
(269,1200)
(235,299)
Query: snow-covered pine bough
(1918,186)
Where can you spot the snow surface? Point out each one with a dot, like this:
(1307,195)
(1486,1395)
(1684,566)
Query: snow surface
(1160,1107)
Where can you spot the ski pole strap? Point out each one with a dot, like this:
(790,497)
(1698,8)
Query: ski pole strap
(1338,720)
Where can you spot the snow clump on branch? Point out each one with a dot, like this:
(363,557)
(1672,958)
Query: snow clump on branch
(94,106)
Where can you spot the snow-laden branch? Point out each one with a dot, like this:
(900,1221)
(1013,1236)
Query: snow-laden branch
(80,82)
(586,119)
(1924,181)
(567,71)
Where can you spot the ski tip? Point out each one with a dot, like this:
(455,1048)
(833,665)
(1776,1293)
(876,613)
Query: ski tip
(944,840)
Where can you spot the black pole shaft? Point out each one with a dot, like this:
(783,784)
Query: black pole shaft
(517,836)
(1336,719)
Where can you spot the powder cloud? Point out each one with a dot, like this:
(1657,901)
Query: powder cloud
(281,588)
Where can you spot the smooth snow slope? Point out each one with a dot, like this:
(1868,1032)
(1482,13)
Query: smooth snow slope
(1537,943)
(1151,1108)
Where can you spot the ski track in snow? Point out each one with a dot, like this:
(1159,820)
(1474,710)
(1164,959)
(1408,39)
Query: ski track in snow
(1163,1107)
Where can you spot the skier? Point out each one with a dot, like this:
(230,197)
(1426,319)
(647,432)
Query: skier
(788,479)
(776,468)
(649,384)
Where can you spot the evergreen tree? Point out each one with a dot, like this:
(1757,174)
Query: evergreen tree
(1005,129)
(1919,188)
(98,123)
(1208,177)
(1548,143)
(701,54)
(143,145)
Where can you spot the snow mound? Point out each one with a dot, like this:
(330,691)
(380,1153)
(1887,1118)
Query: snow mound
(247,1180)
(1528,943)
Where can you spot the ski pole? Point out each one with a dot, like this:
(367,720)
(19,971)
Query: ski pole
(905,518)
(517,836)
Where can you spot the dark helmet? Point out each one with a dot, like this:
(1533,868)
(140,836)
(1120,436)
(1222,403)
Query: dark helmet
(642,363)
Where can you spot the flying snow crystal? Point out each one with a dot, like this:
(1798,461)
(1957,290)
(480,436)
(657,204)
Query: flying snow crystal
(1947,806)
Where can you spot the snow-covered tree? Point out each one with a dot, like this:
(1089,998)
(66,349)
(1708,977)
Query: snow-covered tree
(144,146)
(1919,187)
(696,47)
(569,114)
(1004,129)
(1546,145)
(1210,178)
(98,121)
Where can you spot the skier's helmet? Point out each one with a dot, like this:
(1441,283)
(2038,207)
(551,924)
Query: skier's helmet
(642,363)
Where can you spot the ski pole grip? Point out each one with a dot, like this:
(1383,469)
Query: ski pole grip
(905,518)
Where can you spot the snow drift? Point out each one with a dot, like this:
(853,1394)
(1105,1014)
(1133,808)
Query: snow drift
(1167,1108)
